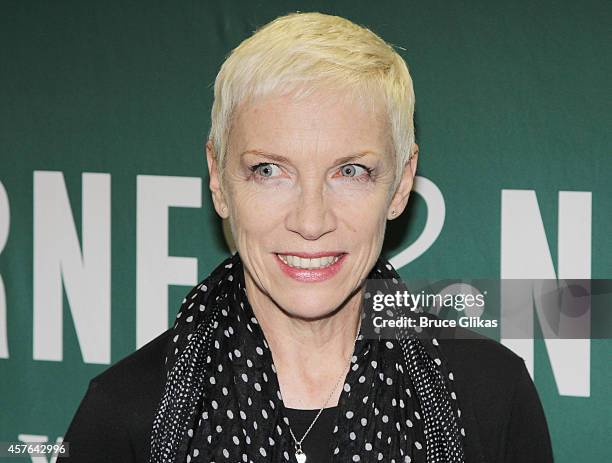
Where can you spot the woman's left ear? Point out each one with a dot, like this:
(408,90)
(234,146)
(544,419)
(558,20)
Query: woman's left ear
(402,193)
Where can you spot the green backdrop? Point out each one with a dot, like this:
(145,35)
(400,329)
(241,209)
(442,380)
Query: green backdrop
(104,110)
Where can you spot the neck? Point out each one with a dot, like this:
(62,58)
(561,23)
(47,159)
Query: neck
(310,356)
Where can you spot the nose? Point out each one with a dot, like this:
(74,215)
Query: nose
(311,215)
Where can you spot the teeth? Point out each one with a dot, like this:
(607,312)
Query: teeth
(308,264)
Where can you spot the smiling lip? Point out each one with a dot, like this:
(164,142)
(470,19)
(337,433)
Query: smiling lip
(311,255)
(311,275)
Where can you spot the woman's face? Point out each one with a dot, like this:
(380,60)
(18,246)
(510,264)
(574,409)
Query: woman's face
(309,178)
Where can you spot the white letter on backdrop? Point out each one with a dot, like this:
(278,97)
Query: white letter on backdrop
(155,269)
(436,211)
(85,273)
(525,255)
(5,225)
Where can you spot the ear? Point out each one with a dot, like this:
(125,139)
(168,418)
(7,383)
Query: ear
(402,193)
(215,182)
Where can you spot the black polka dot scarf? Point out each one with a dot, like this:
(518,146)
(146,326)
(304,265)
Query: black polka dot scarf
(222,401)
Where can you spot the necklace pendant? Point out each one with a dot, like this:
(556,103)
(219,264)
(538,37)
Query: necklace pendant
(300,456)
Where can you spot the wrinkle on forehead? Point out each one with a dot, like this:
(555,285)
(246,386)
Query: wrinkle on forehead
(368,99)
(313,130)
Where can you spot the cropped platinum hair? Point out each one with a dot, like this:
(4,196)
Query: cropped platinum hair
(301,52)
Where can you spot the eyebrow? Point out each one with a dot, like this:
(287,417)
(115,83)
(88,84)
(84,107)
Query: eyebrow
(279,158)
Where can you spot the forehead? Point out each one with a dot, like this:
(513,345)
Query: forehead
(324,119)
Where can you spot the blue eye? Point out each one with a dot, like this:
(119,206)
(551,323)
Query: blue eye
(264,169)
(355,170)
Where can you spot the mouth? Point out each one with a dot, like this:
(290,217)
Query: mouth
(313,261)
(311,267)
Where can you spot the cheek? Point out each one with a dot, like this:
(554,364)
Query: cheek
(254,216)
(365,211)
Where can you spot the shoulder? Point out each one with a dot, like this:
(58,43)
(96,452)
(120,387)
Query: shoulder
(480,360)
(139,369)
(114,420)
(501,404)
(135,383)
(487,371)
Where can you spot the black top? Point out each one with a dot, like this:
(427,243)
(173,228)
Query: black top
(501,412)
(316,445)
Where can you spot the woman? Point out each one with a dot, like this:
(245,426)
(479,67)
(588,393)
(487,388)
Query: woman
(311,151)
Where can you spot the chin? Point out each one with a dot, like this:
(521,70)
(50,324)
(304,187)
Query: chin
(302,304)
(309,313)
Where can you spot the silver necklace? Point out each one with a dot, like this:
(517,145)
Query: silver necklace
(300,456)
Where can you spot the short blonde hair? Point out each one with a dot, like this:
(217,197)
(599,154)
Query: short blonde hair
(303,51)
